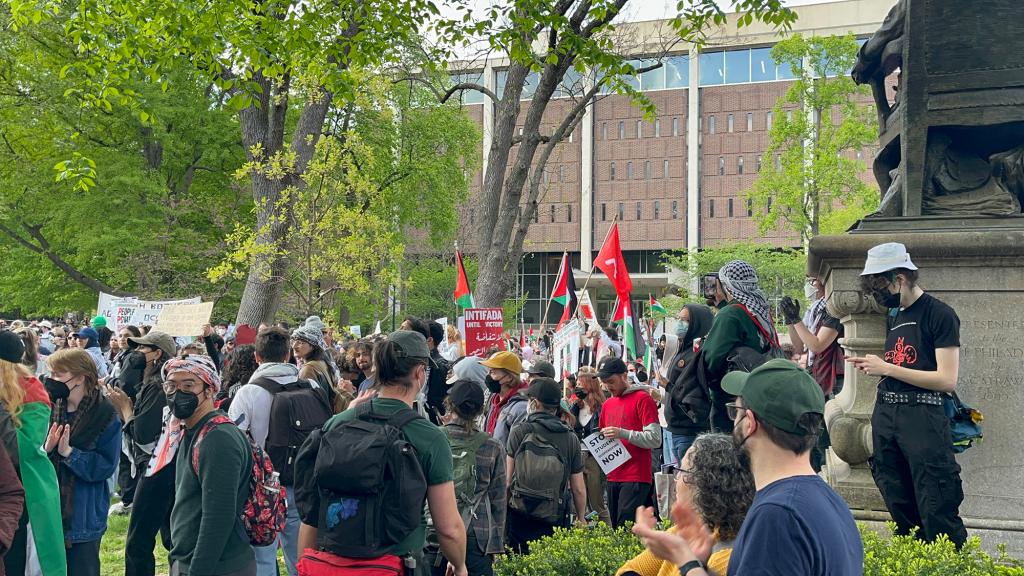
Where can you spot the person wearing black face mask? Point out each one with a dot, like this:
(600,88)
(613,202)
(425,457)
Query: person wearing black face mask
(508,406)
(211,477)
(587,412)
(913,462)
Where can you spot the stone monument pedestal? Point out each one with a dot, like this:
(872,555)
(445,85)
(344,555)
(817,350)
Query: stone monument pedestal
(977,267)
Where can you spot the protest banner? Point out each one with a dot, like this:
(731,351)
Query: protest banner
(565,348)
(184,319)
(609,453)
(484,327)
(131,311)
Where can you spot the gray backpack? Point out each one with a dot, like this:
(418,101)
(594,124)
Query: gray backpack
(539,478)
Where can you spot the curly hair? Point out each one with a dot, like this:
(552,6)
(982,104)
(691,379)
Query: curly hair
(721,483)
(240,366)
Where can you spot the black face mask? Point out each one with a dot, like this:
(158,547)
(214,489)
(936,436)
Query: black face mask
(580,393)
(183,404)
(493,385)
(885,299)
(56,389)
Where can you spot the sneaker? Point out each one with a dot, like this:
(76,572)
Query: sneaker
(120,509)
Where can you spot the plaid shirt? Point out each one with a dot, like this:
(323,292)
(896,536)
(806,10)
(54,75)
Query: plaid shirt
(488,519)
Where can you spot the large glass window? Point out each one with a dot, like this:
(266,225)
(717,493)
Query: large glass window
(633,80)
(652,79)
(784,72)
(737,66)
(529,86)
(677,72)
(712,68)
(469,96)
(762,67)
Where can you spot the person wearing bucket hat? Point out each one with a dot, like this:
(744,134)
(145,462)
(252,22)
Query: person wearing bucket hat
(797,524)
(508,406)
(340,538)
(913,462)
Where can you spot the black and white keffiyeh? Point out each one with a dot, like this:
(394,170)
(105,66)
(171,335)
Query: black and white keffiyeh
(740,280)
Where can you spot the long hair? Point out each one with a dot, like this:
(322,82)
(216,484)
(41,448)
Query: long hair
(595,397)
(12,395)
(77,362)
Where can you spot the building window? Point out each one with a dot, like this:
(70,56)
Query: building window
(570,136)
(750,121)
(758,167)
(730,207)
(739,165)
(552,213)
(768,120)
(711,124)
(665,169)
(638,213)
(647,169)
(711,208)
(472,215)
(789,115)
(639,128)
(657,209)
(778,162)
(622,130)
(729,122)
(546,176)
(629,170)
(611,171)
(622,211)
(657,128)
(860,154)
(675,210)
(721,166)
(604,130)
(561,173)
(769,205)
(520,130)
(568,212)
(675,126)
(604,214)
(750,208)
(536,215)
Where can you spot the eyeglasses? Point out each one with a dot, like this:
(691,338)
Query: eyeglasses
(732,409)
(676,471)
(193,387)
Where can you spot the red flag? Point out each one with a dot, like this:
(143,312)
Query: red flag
(522,338)
(463,295)
(610,261)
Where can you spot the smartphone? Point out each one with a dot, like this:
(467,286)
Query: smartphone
(709,283)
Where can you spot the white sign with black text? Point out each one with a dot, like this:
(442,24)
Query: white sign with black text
(609,453)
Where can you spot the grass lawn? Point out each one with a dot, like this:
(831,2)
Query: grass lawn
(112,549)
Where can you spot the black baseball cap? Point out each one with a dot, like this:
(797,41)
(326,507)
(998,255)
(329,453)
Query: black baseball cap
(467,396)
(779,392)
(611,366)
(11,347)
(546,391)
(541,367)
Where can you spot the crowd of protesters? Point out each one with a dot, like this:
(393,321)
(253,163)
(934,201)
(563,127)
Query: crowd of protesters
(399,454)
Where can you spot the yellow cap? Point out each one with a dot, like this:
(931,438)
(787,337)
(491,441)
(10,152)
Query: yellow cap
(504,361)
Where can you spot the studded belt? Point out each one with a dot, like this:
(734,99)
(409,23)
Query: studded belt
(933,398)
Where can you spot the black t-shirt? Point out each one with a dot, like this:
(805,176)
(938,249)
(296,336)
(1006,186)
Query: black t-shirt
(913,336)
(798,525)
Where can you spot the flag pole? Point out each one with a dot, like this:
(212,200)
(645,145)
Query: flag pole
(607,233)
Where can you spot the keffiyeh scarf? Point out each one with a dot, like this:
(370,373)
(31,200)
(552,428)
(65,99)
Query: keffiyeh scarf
(740,280)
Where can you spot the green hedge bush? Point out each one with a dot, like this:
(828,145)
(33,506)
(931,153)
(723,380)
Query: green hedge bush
(599,551)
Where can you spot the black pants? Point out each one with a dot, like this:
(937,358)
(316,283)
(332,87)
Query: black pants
(914,468)
(84,559)
(151,514)
(624,498)
(126,484)
(477,563)
(523,529)
(720,421)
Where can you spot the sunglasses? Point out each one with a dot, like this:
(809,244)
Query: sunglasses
(732,409)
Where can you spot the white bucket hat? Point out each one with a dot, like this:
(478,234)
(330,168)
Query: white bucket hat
(886,257)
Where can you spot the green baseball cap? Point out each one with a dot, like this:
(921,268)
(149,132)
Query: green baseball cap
(410,344)
(779,392)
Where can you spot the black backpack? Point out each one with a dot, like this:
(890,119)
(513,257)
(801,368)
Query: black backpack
(745,359)
(296,411)
(538,482)
(371,486)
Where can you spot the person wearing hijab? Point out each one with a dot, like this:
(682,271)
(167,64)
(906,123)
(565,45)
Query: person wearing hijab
(745,321)
(688,406)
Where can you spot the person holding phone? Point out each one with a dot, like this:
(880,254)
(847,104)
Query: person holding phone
(913,462)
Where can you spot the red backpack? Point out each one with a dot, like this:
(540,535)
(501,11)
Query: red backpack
(265,509)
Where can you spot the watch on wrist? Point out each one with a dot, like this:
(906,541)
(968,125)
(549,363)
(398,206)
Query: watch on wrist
(685,569)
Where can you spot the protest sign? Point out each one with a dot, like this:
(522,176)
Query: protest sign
(184,319)
(565,348)
(609,453)
(586,310)
(131,311)
(484,327)
(356,330)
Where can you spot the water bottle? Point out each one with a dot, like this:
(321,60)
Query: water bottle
(273,485)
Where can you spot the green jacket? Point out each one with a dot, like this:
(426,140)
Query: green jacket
(206,526)
(731,329)
(42,496)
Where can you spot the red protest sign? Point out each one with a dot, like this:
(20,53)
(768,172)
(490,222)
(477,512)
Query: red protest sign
(484,327)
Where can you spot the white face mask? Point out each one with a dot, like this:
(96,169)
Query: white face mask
(810,291)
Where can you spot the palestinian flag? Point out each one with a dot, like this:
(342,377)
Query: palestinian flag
(632,338)
(463,295)
(565,290)
(617,312)
(656,306)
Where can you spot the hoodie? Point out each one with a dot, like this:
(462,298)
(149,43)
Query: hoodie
(689,406)
(250,408)
(636,415)
(92,346)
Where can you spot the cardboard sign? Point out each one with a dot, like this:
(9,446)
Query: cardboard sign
(565,348)
(610,454)
(184,319)
(484,328)
(121,312)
